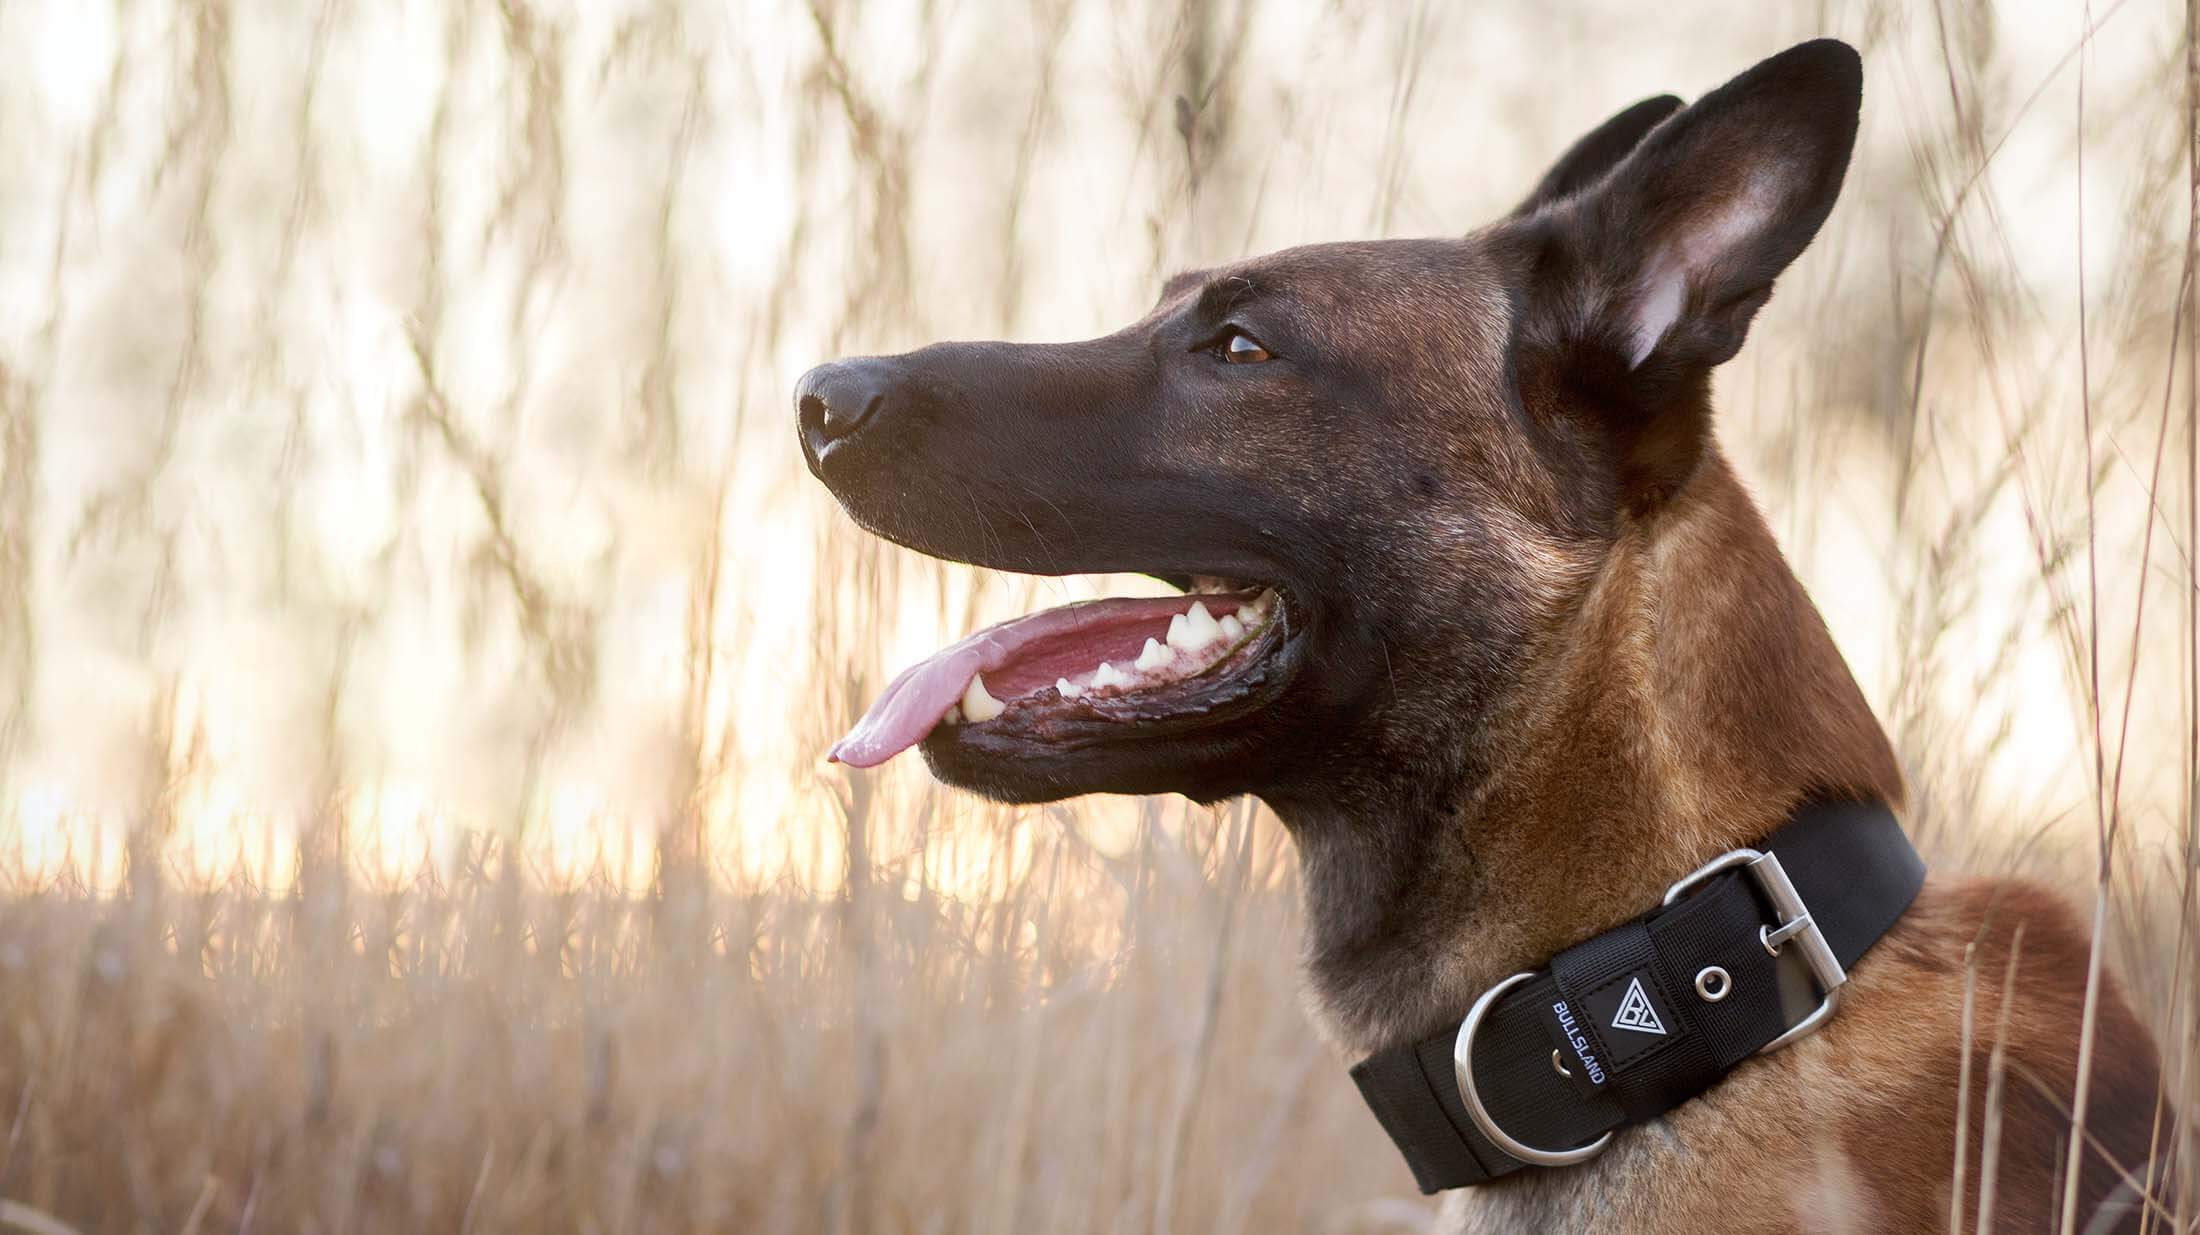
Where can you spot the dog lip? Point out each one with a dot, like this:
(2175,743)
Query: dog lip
(1239,673)
(921,695)
(1032,650)
(1048,729)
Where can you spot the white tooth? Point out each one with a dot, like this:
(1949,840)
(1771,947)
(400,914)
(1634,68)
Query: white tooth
(954,715)
(1250,616)
(1153,656)
(1232,628)
(1067,689)
(1179,635)
(977,704)
(1200,628)
(1108,675)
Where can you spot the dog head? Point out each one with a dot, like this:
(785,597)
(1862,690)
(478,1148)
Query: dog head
(1386,470)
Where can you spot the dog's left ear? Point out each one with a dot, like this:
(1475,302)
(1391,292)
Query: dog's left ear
(1598,152)
(1679,244)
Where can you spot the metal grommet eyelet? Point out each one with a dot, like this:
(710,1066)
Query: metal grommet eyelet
(1713,983)
(1559,1067)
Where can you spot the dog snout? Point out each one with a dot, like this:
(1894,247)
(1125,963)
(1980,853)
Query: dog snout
(834,401)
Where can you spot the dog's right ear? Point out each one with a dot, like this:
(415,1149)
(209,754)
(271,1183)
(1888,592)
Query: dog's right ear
(1597,152)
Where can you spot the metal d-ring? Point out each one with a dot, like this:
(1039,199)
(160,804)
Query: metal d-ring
(1462,1063)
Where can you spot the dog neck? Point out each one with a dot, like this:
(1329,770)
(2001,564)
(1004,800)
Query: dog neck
(1689,702)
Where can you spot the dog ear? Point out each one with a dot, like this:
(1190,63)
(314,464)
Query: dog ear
(1646,280)
(1596,153)
(1682,240)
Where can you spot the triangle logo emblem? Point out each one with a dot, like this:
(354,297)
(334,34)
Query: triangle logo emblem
(1636,1012)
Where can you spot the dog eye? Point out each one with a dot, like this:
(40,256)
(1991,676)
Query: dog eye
(1242,348)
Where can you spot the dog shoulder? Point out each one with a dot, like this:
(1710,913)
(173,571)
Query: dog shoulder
(1975,1003)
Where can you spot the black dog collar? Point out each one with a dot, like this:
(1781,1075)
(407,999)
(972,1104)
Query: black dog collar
(1746,955)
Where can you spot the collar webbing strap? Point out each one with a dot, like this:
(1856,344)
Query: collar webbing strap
(1627,1025)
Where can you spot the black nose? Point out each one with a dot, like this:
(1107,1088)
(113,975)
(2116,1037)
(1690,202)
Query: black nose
(834,400)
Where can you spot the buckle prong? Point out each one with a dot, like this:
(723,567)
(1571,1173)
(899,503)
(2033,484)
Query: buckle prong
(1772,939)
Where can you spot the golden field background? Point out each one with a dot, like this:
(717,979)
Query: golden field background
(418,635)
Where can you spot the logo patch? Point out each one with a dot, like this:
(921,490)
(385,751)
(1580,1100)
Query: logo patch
(1630,1017)
(1636,1012)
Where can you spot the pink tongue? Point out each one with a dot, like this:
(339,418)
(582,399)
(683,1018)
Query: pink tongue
(920,697)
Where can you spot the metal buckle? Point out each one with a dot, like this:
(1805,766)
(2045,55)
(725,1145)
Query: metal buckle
(1796,926)
(1462,1066)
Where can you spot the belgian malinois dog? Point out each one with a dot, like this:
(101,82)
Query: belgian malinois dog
(1479,608)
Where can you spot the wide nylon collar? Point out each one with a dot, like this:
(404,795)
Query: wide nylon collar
(1745,955)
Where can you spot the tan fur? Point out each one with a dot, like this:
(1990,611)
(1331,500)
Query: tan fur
(1722,701)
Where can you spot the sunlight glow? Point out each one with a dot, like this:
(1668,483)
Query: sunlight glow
(425,471)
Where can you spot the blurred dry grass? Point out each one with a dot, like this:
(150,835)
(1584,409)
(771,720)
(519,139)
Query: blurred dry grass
(417,634)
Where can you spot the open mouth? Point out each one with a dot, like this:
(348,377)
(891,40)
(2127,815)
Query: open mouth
(1053,676)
